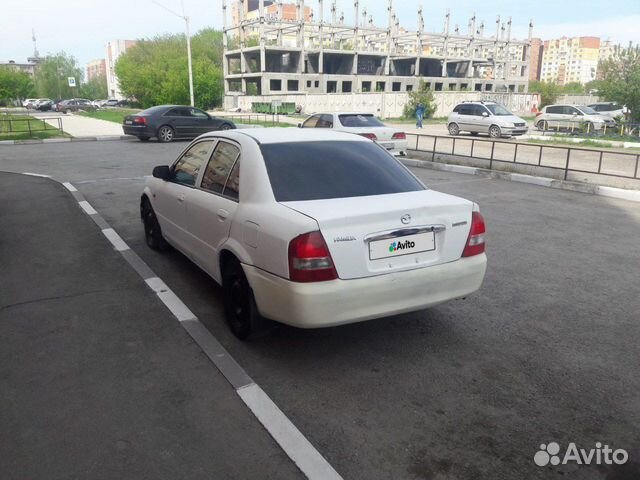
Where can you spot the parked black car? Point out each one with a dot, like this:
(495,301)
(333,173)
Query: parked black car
(45,106)
(169,122)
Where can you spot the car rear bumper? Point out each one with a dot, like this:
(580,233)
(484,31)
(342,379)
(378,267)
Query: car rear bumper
(138,130)
(338,302)
(394,146)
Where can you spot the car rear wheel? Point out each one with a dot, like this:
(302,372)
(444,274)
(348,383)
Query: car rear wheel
(152,232)
(494,131)
(240,307)
(225,126)
(165,134)
(540,125)
(454,129)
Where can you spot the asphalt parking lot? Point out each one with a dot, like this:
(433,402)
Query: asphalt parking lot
(546,351)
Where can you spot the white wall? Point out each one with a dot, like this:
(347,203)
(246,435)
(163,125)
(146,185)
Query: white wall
(385,105)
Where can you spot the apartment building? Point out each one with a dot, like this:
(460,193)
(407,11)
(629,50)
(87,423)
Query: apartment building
(568,60)
(96,68)
(115,48)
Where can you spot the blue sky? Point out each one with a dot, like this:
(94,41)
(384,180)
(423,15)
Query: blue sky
(83,27)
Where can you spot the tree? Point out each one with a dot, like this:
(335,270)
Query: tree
(155,71)
(14,84)
(94,89)
(422,95)
(52,74)
(621,79)
(548,91)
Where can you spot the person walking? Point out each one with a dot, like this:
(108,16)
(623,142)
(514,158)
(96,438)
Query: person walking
(419,115)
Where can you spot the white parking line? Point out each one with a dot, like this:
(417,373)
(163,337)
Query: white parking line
(299,449)
(36,175)
(115,239)
(310,462)
(86,206)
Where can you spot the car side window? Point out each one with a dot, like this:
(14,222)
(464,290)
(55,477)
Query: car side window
(311,122)
(457,109)
(466,110)
(194,112)
(186,170)
(554,109)
(571,111)
(222,160)
(232,188)
(479,110)
(325,121)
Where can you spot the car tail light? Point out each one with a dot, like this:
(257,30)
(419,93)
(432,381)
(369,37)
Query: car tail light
(310,260)
(140,120)
(370,136)
(475,242)
(399,136)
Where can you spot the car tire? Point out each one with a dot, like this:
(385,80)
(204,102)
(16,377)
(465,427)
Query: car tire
(166,134)
(495,132)
(240,309)
(225,126)
(454,129)
(144,139)
(540,125)
(152,231)
(589,128)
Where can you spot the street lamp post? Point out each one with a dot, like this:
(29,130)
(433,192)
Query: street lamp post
(186,22)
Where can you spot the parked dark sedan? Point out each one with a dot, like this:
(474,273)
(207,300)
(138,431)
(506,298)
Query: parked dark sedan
(169,122)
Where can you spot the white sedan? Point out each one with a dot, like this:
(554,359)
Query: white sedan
(363,124)
(312,228)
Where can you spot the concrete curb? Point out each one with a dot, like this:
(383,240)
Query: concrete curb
(612,192)
(102,138)
(604,143)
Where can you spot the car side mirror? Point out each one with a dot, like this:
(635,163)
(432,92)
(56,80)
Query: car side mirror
(485,114)
(162,172)
(299,125)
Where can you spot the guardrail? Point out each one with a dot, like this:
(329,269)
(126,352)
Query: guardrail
(566,159)
(29,125)
(256,119)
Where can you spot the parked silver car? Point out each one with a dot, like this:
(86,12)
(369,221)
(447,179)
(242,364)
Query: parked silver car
(485,117)
(572,117)
(610,109)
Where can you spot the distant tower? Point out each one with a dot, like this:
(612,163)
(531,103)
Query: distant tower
(36,55)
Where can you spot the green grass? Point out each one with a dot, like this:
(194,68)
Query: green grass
(24,127)
(115,115)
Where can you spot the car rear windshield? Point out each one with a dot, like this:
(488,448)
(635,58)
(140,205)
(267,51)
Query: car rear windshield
(334,169)
(359,120)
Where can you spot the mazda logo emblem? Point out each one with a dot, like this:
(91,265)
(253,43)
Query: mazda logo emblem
(406,219)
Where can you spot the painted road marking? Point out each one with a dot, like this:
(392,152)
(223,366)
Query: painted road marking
(310,462)
(86,206)
(299,449)
(115,239)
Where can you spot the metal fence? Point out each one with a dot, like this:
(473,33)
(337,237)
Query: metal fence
(566,159)
(581,128)
(267,120)
(29,125)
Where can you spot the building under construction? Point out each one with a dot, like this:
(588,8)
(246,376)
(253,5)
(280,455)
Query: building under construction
(269,51)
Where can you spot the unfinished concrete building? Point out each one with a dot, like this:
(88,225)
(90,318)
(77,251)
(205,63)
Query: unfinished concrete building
(269,55)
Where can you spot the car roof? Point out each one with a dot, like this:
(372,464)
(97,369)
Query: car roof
(290,135)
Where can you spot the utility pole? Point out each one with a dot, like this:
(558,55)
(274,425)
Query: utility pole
(186,22)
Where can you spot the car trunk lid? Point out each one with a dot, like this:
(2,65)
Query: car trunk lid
(380,234)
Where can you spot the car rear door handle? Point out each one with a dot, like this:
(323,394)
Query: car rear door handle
(222,215)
